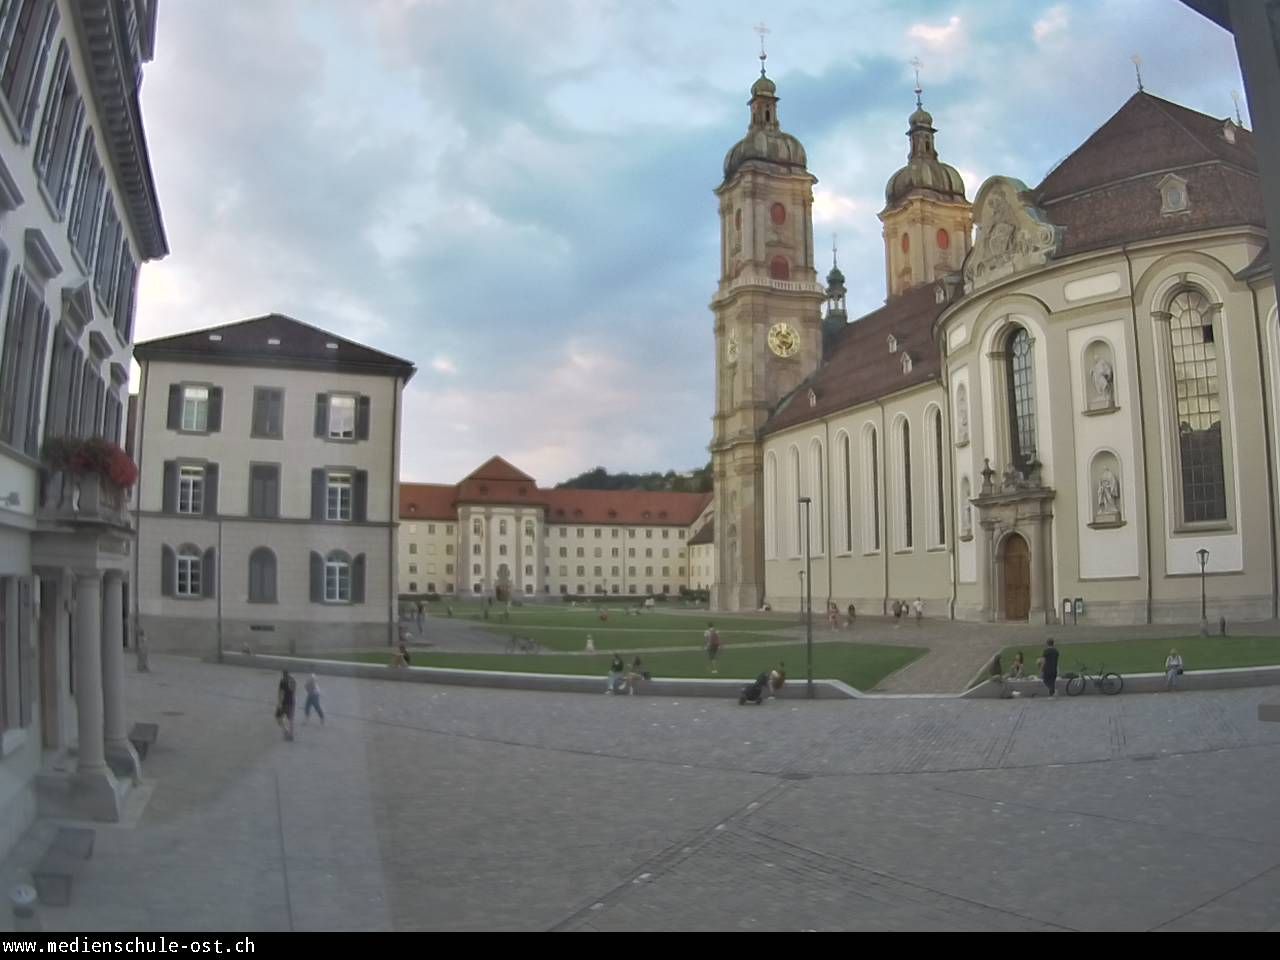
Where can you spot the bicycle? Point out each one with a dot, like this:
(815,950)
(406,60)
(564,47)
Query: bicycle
(518,644)
(1103,682)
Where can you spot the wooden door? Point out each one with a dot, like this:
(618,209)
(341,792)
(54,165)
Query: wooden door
(1017,578)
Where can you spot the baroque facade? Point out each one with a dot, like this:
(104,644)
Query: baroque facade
(1069,393)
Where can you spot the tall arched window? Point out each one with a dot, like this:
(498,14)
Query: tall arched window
(1195,376)
(770,506)
(337,577)
(262,576)
(794,490)
(870,490)
(844,495)
(939,498)
(1022,399)
(817,494)
(907,519)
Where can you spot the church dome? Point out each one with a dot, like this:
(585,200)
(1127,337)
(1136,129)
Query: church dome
(765,140)
(924,171)
(772,146)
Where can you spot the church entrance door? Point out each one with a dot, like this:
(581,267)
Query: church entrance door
(1017,578)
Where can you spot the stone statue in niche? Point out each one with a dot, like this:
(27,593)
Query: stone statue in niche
(1108,502)
(962,415)
(966,527)
(1102,380)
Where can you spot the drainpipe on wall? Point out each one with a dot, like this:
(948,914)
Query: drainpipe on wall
(1271,472)
(1142,428)
(138,421)
(948,474)
(393,517)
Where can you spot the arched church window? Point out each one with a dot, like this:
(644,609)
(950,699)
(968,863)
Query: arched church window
(1022,398)
(846,491)
(1199,409)
(907,518)
(940,503)
(779,269)
(870,490)
(818,507)
(796,545)
(770,506)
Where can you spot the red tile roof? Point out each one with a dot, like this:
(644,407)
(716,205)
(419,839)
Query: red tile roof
(1106,192)
(633,507)
(498,482)
(427,501)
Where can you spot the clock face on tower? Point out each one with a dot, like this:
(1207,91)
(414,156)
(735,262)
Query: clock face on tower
(783,340)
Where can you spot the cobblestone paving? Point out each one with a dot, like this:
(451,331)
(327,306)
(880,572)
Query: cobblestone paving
(419,807)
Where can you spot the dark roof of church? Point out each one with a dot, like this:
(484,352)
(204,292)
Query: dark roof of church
(1260,267)
(859,367)
(1106,192)
(248,342)
(706,535)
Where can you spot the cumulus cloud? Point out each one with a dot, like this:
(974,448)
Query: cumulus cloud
(1054,21)
(444,365)
(938,38)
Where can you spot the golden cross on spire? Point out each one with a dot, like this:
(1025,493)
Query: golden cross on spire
(916,65)
(761,29)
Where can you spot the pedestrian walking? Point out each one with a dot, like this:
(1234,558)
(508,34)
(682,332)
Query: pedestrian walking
(711,640)
(853,613)
(313,700)
(421,617)
(285,704)
(1172,669)
(897,613)
(918,607)
(1049,672)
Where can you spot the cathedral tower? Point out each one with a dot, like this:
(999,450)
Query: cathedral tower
(767,328)
(928,223)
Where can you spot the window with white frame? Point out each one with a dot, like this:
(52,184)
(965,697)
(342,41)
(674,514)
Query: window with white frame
(502,528)
(844,493)
(187,583)
(1198,406)
(338,487)
(342,417)
(26,33)
(477,527)
(191,489)
(195,409)
(337,578)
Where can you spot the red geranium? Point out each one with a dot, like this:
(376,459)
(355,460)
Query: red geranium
(92,455)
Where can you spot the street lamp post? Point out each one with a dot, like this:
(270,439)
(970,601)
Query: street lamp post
(1203,556)
(808,605)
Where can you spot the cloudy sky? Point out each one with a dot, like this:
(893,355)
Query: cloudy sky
(516,194)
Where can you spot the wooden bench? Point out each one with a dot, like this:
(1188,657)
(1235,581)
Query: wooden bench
(142,736)
(52,876)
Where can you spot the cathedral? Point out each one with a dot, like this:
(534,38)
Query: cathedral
(1065,408)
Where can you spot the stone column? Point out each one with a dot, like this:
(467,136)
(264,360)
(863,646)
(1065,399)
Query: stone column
(119,751)
(1035,538)
(95,788)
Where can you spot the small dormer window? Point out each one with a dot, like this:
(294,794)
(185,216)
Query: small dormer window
(906,362)
(273,341)
(813,398)
(1173,195)
(1229,132)
(893,343)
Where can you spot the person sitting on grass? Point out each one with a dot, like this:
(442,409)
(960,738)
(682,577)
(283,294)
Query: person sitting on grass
(1018,668)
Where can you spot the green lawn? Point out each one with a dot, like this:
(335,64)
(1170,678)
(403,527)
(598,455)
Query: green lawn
(574,639)
(587,617)
(1147,655)
(861,665)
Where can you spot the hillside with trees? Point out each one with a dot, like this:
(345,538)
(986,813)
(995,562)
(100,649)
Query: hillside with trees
(598,478)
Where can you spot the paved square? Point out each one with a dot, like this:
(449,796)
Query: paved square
(420,807)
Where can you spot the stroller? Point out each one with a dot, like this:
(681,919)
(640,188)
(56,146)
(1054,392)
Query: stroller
(753,692)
